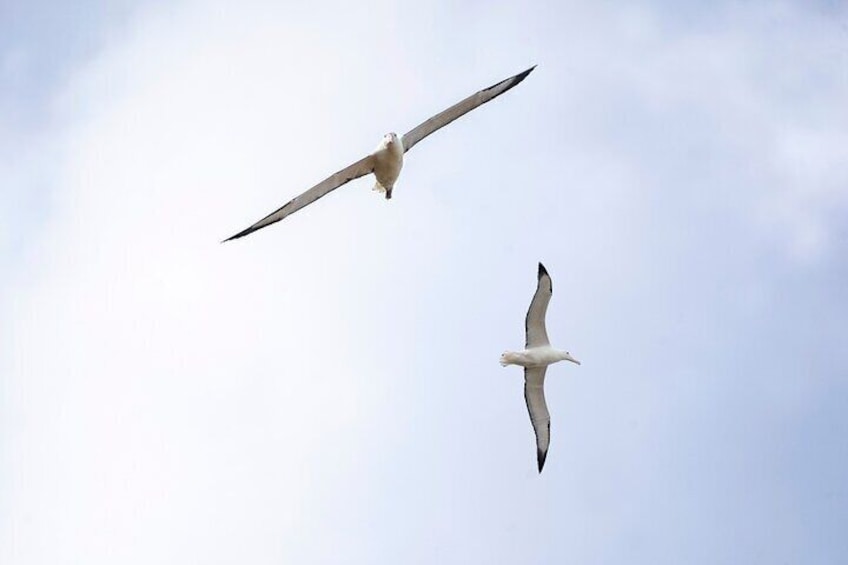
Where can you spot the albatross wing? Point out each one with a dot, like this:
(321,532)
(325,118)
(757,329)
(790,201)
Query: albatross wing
(354,171)
(442,119)
(534,322)
(534,395)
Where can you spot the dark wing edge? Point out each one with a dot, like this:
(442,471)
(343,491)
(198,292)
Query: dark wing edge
(358,169)
(539,307)
(541,453)
(440,120)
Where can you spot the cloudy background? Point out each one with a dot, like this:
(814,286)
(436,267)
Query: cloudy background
(328,390)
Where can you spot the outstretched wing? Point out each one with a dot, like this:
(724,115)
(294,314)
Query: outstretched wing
(442,119)
(534,396)
(534,322)
(354,171)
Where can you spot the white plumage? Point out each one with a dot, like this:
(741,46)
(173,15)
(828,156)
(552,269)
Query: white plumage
(386,161)
(535,358)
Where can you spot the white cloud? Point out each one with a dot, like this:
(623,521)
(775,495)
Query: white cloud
(744,105)
(315,390)
(166,389)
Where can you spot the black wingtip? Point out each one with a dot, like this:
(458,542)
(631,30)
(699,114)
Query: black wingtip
(542,270)
(242,233)
(521,76)
(511,81)
(540,458)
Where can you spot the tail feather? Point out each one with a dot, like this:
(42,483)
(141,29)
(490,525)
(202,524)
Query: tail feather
(380,188)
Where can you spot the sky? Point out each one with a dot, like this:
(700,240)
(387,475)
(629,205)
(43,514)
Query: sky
(328,389)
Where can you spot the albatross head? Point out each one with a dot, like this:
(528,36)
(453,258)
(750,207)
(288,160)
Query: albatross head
(566,356)
(390,139)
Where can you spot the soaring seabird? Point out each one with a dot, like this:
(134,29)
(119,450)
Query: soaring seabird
(535,358)
(387,160)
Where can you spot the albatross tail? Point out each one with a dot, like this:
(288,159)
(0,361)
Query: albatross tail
(380,188)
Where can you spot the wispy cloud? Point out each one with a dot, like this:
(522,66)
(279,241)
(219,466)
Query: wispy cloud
(329,387)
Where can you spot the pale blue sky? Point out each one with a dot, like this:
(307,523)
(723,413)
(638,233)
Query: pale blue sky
(328,390)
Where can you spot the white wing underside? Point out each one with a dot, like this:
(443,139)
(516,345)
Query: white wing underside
(459,109)
(534,323)
(359,169)
(534,396)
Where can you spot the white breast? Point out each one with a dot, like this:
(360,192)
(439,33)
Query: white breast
(388,161)
(541,356)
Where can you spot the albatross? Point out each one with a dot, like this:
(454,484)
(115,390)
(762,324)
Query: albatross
(535,358)
(387,159)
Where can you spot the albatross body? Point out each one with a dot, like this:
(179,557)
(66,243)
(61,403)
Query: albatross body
(386,161)
(535,358)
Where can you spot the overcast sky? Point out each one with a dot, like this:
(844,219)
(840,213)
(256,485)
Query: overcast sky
(328,389)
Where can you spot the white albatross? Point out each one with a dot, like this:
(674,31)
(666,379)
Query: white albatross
(535,358)
(387,160)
